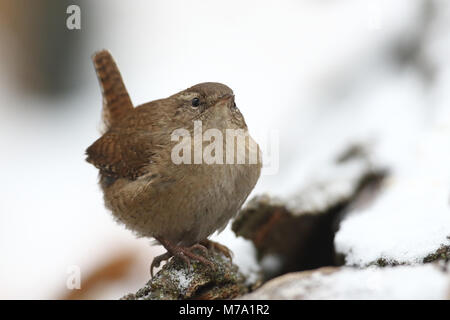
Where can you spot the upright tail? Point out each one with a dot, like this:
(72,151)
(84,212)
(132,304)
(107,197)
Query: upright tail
(116,101)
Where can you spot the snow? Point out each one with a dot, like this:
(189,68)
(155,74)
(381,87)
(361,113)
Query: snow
(411,217)
(330,183)
(403,282)
(424,282)
(244,253)
(182,277)
(271,263)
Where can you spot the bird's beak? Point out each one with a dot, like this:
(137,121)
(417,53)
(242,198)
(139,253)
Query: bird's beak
(225,100)
(226,97)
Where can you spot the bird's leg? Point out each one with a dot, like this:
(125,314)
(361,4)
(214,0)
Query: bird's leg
(184,253)
(218,247)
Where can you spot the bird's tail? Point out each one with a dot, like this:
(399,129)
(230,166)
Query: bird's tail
(116,101)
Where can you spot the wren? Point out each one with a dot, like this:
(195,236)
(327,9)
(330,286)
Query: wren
(178,204)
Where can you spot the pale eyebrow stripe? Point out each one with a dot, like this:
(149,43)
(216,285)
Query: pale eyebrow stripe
(190,95)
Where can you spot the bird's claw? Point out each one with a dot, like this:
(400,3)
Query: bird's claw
(157,261)
(212,245)
(184,253)
(187,254)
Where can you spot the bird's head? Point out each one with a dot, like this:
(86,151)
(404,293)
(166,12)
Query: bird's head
(212,103)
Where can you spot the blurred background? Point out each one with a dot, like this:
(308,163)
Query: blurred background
(321,74)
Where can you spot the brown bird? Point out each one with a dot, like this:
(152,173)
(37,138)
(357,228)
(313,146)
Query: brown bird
(179,204)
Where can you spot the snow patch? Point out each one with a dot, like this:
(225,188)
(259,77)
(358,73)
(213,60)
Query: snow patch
(402,282)
(411,218)
(244,253)
(184,279)
(424,282)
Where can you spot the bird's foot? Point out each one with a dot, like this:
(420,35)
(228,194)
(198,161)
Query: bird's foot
(157,261)
(184,253)
(212,245)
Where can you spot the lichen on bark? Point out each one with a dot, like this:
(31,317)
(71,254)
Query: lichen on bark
(175,282)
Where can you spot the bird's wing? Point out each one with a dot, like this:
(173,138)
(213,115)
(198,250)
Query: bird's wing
(124,154)
(116,101)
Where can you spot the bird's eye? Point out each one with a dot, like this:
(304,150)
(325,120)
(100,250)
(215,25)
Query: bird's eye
(195,102)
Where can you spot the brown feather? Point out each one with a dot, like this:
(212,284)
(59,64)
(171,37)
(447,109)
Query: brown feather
(116,101)
(115,155)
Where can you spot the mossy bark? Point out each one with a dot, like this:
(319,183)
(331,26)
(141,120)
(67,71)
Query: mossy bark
(175,282)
